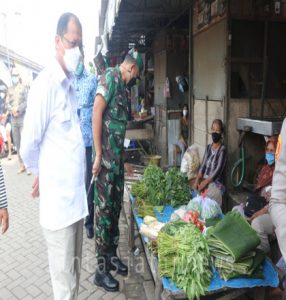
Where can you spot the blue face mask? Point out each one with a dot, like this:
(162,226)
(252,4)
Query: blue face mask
(79,69)
(15,80)
(270,158)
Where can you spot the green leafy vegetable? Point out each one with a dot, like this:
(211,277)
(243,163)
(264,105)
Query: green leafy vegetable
(184,256)
(154,180)
(177,188)
(138,189)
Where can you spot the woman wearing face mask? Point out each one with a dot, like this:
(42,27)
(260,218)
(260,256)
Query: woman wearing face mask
(261,220)
(184,130)
(256,207)
(210,173)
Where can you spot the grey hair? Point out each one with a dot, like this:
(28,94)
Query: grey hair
(63,23)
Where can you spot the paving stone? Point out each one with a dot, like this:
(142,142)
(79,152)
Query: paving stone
(121,297)
(33,290)
(28,297)
(19,292)
(5,294)
(149,290)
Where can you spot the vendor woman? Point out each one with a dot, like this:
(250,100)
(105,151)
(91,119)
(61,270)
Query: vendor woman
(210,173)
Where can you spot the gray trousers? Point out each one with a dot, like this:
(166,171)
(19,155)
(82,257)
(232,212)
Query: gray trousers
(264,228)
(17,126)
(278,217)
(65,255)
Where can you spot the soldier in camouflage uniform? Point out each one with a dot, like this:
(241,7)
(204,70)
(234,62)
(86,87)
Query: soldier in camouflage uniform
(109,124)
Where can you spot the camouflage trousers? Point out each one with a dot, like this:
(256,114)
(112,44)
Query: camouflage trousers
(108,197)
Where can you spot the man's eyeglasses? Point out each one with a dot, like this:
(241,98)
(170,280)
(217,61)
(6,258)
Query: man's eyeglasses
(73,44)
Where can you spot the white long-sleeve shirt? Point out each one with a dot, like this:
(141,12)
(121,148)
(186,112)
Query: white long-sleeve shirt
(52,147)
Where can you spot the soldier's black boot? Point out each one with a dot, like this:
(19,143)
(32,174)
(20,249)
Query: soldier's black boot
(117,265)
(103,278)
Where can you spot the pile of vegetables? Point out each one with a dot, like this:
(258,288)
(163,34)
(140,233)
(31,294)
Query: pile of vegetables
(138,190)
(157,189)
(193,217)
(154,181)
(177,188)
(184,256)
(144,208)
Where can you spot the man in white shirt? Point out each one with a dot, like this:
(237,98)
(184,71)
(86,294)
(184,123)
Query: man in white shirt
(52,148)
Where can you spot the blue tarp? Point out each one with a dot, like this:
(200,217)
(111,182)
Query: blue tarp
(270,274)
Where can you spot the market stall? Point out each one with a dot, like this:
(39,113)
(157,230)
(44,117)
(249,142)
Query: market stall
(182,238)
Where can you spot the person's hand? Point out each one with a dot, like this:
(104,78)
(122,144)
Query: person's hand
(35,187)
(129,169)
(196,184)
(260,212)
(203,185)
(96,166)
(4,220)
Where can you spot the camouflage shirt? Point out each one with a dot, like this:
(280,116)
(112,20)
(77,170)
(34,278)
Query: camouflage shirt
(112,88)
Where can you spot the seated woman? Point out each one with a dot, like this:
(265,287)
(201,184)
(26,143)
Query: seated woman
(256,207)
(210,173)
(260,220)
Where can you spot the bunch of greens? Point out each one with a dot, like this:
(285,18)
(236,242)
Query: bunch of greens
(138,189)
(154,181)
(184,256)
(177,188)
(144,208)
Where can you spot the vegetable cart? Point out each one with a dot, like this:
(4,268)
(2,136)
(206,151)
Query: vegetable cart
(218,289)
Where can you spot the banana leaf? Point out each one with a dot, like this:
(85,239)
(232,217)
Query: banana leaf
(244,266)
(217,253)
(232,237)
(226,275)
(251,267)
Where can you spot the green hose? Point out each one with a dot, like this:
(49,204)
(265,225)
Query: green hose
(236,182)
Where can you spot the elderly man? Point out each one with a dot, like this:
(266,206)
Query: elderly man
(53,149)
(109,123)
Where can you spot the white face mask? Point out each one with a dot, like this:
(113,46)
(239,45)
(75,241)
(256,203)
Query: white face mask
(72,58)
(185,112)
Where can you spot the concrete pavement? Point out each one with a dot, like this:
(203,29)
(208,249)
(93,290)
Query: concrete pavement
(24,271)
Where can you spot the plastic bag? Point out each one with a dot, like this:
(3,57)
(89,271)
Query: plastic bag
(179,213)
(206,207)
(210,209)
(191,162)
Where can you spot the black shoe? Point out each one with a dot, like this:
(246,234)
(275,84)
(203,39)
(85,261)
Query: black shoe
(89,233)
(103,278)
(118,266)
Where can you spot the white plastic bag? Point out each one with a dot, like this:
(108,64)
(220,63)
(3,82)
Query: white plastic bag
(206,207)
(191,162)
